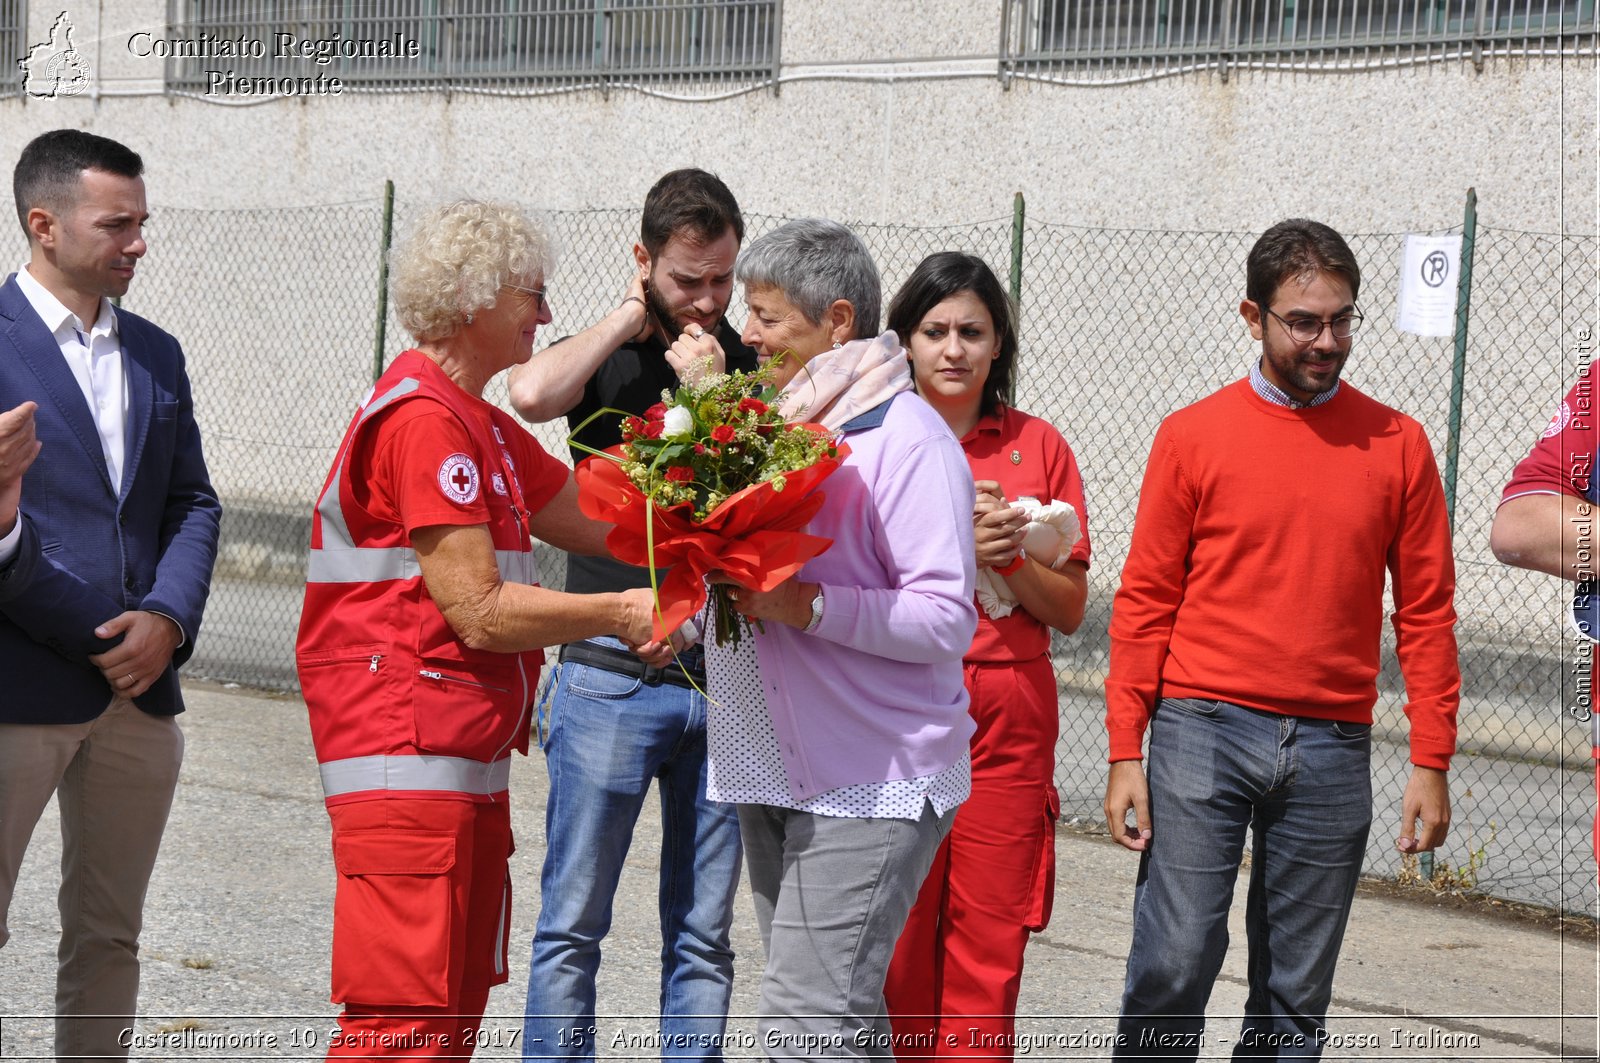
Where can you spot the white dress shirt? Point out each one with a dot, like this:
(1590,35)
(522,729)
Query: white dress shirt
(95,358)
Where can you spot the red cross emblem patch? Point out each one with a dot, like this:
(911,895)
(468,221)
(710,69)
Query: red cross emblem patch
(458,479)
(1559,421)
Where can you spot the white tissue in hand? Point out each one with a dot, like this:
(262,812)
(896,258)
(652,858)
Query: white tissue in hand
(1048,538)
(1051,532)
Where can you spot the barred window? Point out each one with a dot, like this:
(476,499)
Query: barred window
(1164,36)
(13,26)
(506,45)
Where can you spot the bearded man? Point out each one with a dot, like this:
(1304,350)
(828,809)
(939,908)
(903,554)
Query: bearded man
(616,723)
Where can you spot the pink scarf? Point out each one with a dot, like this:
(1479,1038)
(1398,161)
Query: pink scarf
(838,385)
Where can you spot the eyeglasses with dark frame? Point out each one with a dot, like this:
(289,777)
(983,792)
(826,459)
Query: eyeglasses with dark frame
(1309,329)
(538,293)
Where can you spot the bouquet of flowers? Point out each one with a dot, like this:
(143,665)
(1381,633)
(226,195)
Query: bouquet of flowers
(711,479)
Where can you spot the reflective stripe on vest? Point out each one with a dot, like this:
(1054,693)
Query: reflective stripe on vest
(328,509)
(376,564)
(453,774)
(339,560)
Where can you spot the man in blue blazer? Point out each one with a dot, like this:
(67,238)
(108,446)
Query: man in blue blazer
(108,533)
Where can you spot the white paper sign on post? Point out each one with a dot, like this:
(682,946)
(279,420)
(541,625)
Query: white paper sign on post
(1428,278)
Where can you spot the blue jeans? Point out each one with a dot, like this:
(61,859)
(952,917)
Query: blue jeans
(610,736)
(1302,788)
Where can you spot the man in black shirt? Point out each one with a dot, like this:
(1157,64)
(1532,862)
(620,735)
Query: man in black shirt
(616,724)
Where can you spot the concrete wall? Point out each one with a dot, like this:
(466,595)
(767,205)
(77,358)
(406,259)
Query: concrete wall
(276,309)
(903,133)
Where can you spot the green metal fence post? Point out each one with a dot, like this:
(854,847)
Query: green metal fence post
(1019,214)
(1458,369)
(383,280)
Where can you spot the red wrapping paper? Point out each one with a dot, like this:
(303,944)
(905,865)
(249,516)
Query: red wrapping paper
(753,537)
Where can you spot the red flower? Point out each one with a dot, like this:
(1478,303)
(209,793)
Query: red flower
(699,448)
(653,430)
(754,535)
(680,474)
(723,433)
(752,406)
(633,426)
(656,412)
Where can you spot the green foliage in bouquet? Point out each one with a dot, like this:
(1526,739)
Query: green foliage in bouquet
(704,443)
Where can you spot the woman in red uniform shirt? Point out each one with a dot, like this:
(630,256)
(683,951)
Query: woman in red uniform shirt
(958,965)
(419,645)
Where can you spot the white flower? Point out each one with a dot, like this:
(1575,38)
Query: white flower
(678,422)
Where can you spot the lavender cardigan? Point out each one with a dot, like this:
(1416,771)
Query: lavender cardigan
(875,693)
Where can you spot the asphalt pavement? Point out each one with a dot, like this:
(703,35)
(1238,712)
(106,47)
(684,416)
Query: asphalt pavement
(238,920)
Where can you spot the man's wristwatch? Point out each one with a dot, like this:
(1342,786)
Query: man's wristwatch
(816,611)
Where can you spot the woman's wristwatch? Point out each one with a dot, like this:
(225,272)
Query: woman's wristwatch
(816,611)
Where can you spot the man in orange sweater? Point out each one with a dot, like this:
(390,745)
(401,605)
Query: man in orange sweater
(1245,638)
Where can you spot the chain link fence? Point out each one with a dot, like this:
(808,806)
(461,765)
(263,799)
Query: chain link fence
(278,311)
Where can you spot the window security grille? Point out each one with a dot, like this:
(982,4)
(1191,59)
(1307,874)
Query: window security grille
(1116,39)
(485,45)
(13,49)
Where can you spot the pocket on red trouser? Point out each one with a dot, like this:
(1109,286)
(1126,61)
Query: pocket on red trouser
(392,915)
(1043,895)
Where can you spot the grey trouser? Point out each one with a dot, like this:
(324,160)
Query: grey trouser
(832,895)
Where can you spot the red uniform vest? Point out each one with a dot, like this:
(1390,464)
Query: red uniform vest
(399,705)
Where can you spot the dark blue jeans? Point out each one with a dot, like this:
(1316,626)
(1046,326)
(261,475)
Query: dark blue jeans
(610,736)
(1301,789)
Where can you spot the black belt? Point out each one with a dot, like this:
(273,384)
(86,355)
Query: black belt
(624,663)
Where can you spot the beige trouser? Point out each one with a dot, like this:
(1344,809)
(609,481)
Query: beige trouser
(114,778)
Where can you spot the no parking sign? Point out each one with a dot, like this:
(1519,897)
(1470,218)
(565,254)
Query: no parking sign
(1429,275)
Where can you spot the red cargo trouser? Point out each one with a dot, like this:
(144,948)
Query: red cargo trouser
(953,982)
(420,923)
